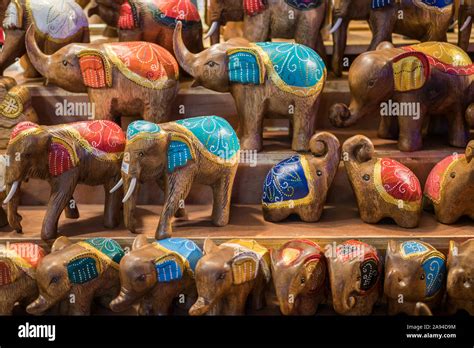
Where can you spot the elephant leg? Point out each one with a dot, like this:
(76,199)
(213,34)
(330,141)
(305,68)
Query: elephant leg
(339,48)
(181,212)
(277,215)
(257,28)
(102,104)
(113,204)
(3,218)
(62,189)
(381,24)
(410,135)
(178,185)
(321,49)
(258,293)
(71,210)
(14,219)
(82,306)
(465,35)
(250,108)
(388,128)
(304,123)
(222,191)
(458,128)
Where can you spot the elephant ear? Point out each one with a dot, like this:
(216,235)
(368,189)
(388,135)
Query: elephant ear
(179,153)
(9,272)
(60,243)
(376,4)
(62,156)
(410,71)
(84,268)
(434,266)
(369,274)
(245,66)
(254,7)
(244,267)
(128,17)
(95,68)
(13,16)
(139,242)
(169,268)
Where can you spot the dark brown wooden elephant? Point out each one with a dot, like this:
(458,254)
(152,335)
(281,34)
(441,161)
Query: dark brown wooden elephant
(76,274)
(460,279)
(449,187)
(465,16)
(409,86)
(18,262)
(56,24)
(415,276)
(423,20)
(157,274)
(301,20)
(88,152)
(152,20)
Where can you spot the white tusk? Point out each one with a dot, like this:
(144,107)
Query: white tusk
(336,26)
(131,188)
(212,29)
(466,23)
(117,186)
(452,26)
(11,193)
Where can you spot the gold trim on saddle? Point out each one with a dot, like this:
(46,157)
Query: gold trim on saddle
(98,254)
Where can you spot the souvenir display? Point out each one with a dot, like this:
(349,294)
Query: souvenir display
(121,78)
(384,188)
(157,274)
(355,273)
(194,150)
(414,277)
(286,78)
(57,22)
(15,107)
(299,184)
(424,20)
(450,187)
(465,15)
(421,77)
(86,270)
(301,20)
(88,152)
(228,274)
(460,277)
(18,262)
(299,275)
(152,20)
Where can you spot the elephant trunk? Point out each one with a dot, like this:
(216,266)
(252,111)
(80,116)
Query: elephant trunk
(287,305)
(341,115)
(357,149)
(123,301)
(200,307)
(454,282)
(39,60)
(13,48)
(394,284)
(39,306)
(130,201)
(183,55)
(327,147)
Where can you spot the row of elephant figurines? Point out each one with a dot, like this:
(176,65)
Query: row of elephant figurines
(115,93)
(176,158)
(415,278)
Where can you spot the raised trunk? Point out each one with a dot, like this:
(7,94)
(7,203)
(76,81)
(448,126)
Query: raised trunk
(13,48)
(340,115)
(183,55)
(39,60)
(130,204)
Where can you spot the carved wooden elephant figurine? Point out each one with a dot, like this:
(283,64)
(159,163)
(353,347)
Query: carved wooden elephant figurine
(264,77)
(88,152)
(465,15)
(301,20)
(201,149)
(121,78)
(424,20)
(15,107)
(299,274)
(157,273)
(56,24)
(414,277)
(407,86)
(355,273)
(227,274)
(450,187)
(300,184)
(18,262)
(78,273)
(152,20)
(460,277)
(384,188)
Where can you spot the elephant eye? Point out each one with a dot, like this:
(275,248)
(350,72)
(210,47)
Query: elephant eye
(65,63)
(302,280)
(141,154)
(211,64)
(319,173)
(366,177)
(422,277)
(54,280)
(453,175)
(221,276)
(371,82)
(141,278)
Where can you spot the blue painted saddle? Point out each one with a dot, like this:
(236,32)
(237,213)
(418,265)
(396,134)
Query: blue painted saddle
(294,68)
(304,5)
(440,4)
(287,182)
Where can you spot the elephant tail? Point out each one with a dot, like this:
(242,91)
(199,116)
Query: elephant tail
(359,148)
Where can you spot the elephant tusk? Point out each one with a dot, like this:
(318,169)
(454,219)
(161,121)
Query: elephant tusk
(466,23)
(336,26)
(133,184)
(212,29)
(117,186)
(11,193)
(452,26)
